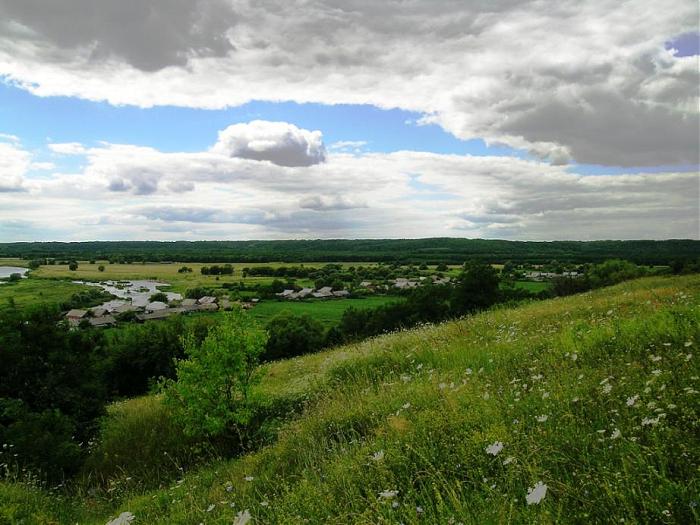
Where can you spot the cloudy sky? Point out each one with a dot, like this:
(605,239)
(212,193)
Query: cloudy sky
(232,119)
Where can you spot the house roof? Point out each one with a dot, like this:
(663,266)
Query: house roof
(76,314)
(156,305)
(207,299)
(102,321)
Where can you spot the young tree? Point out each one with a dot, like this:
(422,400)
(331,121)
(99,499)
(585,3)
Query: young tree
(72,266)
(101,268)
(211,394)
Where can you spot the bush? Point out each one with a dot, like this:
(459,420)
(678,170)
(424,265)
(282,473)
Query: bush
(291,335)
(210,396)
(160,296)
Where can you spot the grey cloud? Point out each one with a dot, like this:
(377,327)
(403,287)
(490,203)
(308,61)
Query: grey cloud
(281,143)
(323,203)
(147,34)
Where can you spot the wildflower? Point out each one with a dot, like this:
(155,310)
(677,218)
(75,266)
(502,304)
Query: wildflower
(542,418)
(123,519)
(607,387)
(378,456)
(229,487)
(264,504)
(249,478)
(468,371)
(395,505)
(537,377)
(687,344)
(388,494)
(655,358)
(406,406)
(574,357)
(242,518)
(442,386)
(649,421)
(632,400)
(419,510)
(494,448)
(210,507)
(508,460)
(486,396)
(616,434)
(656,372)
(536,493)
(688,357)
(575,400)
(670,406)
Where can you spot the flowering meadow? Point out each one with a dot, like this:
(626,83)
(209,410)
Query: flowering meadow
(575,410)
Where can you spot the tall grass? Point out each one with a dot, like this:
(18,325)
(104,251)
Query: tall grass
(593,396)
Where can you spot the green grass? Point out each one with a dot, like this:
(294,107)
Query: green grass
(532,286)
(328,311)
(432,400)
(34,291)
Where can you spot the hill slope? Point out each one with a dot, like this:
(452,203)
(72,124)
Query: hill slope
(593,396)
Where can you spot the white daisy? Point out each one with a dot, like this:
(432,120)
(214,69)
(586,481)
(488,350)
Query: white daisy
(536,493)
(494,448)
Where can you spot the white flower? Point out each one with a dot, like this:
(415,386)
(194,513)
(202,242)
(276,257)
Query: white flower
(688,343)
(542,418)
(249,478)
(656,372)
(388,494)
(210,507)
(649,421)
(123,519)
(655,358)
(607,387)
(688,357)
(229,487)
(494,448)
(242,517)
(536,493)
(264,504)
(574,357)
(616,434)
(545,395)
(468,371)
(632,400)
(406,406)
(508,460)
(378,456)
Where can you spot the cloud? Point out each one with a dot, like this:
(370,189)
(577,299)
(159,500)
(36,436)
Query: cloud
(326,203)
(68,148)
(281,143)
(139,192)
(14,163)
(588,81)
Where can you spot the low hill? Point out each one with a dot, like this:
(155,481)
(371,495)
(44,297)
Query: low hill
(583,409)
(433,250)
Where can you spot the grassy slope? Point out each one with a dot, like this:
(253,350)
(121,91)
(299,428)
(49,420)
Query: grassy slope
(34,291)
(433,399)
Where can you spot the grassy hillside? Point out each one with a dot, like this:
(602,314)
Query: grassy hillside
(593,396)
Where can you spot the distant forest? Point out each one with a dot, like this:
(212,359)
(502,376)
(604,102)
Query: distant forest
(430,251)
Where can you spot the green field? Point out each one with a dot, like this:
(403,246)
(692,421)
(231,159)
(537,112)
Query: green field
(328,311)
(532,286)
(589,402)
(28,292)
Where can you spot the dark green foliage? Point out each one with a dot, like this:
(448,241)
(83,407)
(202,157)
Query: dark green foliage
(50,389)
(101,268)
(227,269)
(90,297)
(199,291)
(137,355)
(476,289)
(291,335)
(160,296)
(72,266)
(612,272)
(14,277)
(434,250)
(36,263)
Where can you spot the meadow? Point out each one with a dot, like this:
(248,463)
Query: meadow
(572,410)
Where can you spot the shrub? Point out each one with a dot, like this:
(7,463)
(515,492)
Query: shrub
(210,396)
(291,335)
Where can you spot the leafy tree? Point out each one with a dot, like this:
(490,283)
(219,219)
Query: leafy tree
(72,266)
(36,263)
(211,394)
(612,272)
(291,335)
(101,268)
(50,389)
(14,277)
(160,296)
(476,289)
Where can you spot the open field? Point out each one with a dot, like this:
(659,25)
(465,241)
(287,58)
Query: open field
(328,312)
(28,292)
(583,409)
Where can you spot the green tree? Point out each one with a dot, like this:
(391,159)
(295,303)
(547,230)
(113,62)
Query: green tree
(291,335)
(211,395)
(159,296)
(101,268)
(72,266)
(477,288)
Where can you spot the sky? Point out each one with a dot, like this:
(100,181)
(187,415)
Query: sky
(230,119)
